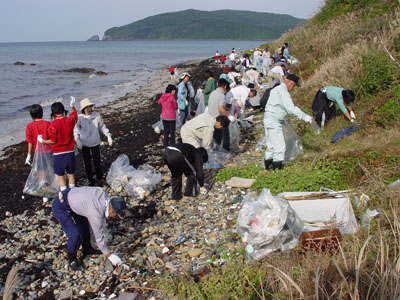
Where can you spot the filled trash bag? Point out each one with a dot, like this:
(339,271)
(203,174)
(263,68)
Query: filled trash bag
(217,158)
(294,146)
(120,172)
(267,223)
(234,135)
(42,181)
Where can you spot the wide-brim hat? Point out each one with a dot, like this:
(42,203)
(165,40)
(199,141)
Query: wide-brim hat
(185,74)
(85,103)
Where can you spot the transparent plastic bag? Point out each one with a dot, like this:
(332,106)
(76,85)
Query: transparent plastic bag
(267,223)
(201,108)
(294,146)
(42,181)
(144,178)
(199,96)
(234,135)
(120,172)
(315,128)
(159,126)
(217,158)
(261,144)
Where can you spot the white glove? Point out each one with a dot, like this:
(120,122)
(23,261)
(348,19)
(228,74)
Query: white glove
(28,160)
(352,115)
(115,260)
(78,143)
(40,138)
(186,103)
(203,190)
(110,141)
(232,118)
(352,120)
(72,102)
(308,119)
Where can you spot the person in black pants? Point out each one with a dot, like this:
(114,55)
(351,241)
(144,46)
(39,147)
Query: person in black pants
(186,159)
(168,114)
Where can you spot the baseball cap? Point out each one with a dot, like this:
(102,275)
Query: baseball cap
(118,205)
(293,78)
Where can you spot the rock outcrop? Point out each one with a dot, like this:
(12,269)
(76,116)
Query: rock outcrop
(94,38)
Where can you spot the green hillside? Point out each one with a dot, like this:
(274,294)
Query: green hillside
(196,24)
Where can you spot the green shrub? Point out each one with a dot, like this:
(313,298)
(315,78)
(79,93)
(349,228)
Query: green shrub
(378,73)
(389,112)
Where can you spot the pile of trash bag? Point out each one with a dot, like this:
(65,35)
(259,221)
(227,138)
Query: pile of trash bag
(42,182)
(136,181)
(267,223)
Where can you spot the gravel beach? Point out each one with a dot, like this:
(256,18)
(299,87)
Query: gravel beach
(160,235)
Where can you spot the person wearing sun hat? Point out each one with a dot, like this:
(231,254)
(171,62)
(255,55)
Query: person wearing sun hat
(87,137)
(279,105)
(78,208)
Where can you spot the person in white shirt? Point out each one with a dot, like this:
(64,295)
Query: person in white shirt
(276,72)
(87,137)
(241,93)
(252,76)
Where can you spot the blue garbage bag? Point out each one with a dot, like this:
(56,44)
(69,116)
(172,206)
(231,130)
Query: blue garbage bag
(345,132)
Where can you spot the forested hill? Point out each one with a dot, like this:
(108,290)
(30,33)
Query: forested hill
(196,24)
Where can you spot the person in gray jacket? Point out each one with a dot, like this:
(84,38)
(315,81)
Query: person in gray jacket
(78,208)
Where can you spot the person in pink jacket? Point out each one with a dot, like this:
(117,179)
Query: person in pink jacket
(168,114)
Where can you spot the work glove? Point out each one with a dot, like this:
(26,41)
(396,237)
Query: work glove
(352,115)
(352,120)
(308,119)
(78,143)
(186,103)
(40,138)
(28,160)
(72,102)
(232,118)
(115,260)
(203,190)
(110,141)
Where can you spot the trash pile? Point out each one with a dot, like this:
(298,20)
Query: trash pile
(137,182)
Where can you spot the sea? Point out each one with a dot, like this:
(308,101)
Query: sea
(127,63)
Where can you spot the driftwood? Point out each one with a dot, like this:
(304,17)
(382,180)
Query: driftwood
(11,281)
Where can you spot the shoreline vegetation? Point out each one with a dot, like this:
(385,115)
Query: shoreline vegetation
(191,249)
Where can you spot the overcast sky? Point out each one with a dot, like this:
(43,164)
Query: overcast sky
(75,20)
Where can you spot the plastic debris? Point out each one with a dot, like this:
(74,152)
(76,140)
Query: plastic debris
(368,216)
(268,223)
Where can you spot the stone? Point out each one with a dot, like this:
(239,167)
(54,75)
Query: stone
(127,296)
(195,252)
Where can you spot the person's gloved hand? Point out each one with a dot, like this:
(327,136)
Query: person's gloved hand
(78,143)
(352,120)
(110,141)
(308,119)
(232,118)
(72,102)
(40,138)
(203,190)
(28,160)
(352,115)
(186,103)
(115,260)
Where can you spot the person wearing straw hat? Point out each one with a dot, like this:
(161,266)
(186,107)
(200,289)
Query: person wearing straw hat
(87,138)
(79,208)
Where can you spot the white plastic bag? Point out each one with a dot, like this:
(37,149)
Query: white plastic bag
(217,158)
(144,178)
(294,146)
(42,181)
(120,172)
(201,107)
(267,223)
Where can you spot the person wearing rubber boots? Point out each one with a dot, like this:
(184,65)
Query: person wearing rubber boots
(279,105)
(78,208)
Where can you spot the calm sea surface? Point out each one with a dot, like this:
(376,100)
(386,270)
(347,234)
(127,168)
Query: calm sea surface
(128,64)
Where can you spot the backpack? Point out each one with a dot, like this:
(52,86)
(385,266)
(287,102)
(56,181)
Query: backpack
(264,98)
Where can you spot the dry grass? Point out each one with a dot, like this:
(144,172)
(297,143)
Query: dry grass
(11,281)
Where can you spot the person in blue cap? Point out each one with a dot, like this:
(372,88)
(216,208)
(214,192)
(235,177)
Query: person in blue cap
(78,208)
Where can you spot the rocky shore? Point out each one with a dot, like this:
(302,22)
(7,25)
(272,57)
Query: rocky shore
(161,235)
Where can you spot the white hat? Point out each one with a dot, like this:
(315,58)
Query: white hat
(185,74)
(85,103)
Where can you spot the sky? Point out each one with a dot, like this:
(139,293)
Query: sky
(77,20)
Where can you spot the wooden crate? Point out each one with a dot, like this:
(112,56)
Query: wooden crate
(323,241)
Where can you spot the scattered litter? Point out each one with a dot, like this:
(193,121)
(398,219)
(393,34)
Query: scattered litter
(395,184)
(180,240)
(240,182)
(368,216)
(362,201)
(268,223)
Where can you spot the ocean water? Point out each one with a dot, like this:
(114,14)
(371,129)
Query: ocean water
(128,64)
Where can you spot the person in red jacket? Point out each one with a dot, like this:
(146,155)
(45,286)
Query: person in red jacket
(171,70)
(168,114)
(61,137)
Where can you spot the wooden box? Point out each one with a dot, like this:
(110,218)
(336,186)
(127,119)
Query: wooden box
(322,241)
